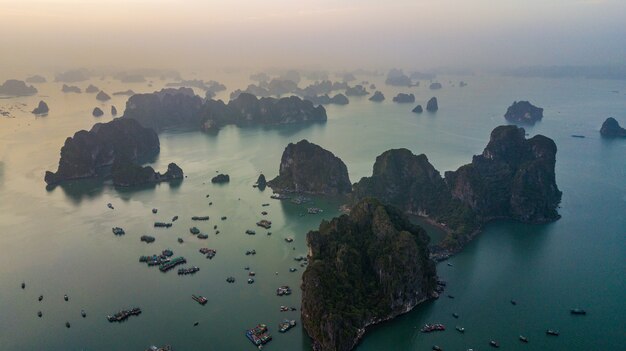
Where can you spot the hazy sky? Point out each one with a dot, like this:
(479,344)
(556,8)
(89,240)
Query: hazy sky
(296,33)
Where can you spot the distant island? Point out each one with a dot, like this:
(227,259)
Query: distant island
(181,107)
(612,129)
(125,173)
(41,109)
(88,152)
(364,268)
(523,112)
(70,89)
(377,97)
(14,87)
(403,98)
(36,79)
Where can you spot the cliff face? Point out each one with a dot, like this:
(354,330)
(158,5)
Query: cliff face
(308,168)
(513,178)
(180,107)
(87,151)
(364,268)
(612,129)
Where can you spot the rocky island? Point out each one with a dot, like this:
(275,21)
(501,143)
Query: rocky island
(87,152)
(36,79)
(338,99)
(126,174)
(92,89)
(41,109)
(612,129)
(220,179)
(364,268)
(512,179)
(102,96)
(308,168)
(377,97)
(404,98)
(70,89)
(418,109)
(432,105)
(357,90)
(396,77)
(97,112)
(14,87)
(435,86)
(181,107)
(523,112)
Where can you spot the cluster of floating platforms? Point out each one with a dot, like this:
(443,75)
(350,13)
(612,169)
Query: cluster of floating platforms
(162,225)
(156,260)
(166,266)
(285,325)
(264,223)
(283,290)
(124,314)
(259,335)
(147,238)
(200,218)
(200,299)
(210,253)
(118,231)
(429,328)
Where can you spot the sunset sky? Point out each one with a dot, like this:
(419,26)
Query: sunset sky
(325,33)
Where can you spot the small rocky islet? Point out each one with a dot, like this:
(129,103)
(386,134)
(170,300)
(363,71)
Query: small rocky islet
(523,112)
(611,129)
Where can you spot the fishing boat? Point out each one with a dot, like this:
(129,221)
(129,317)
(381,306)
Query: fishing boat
(200,299)
(460,329)
(67,324)
(437,348)
(578,311)
(39,314)
(83,313)
(40,297)
(259,335)
(552,332)
(455,315)
(285,325)
(65,297)
(494,343)
(523,339)
(23,285)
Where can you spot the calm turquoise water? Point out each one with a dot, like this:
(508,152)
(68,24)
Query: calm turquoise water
(60,241)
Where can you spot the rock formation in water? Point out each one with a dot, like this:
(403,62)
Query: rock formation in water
(338,99)
(364,268)
(36,79)
(308,168)
(97,112)
(14,87)
(70,89)
(261,183)
(396,77)
(128,92)
(462,84)
(404,98)
(377,97)
(125,173)
(113,111)
(357,90)
(92,89)
(88,151)
(178,107)
(432,105)
(72,76)
(512,179)
(102,96)
(220,179)
(418,109)
(523,112)
(435,86)
(612,129)
(41,109)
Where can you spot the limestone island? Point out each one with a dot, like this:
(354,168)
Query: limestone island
(612,129)
(308,168)
(181,107)
(404,98)
(113,111)
(377,97)
(126,174)
(220,179)
(14,87)
(92,89)
(90,151)
(102,96)
(432,105)
(364,268)
(418,109)
(523,112)
(396,77)
(338,99)
(512,179)
(36,79)
(435,86)
(70,89)
(41,109)
(97,112)
(357,90)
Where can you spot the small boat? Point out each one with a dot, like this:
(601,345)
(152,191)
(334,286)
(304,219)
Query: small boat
(200,299)
(455,315)
(552,332)
(250,280)
(494,343)
(67,324)
(109,205)
(154,210)
(578,311)
(437,348)
(39,314)
(577,136)
(224,218)
(460,329)
(196,324)
(522,338)
(83,313)
(292,269)
(450,264)
(451,296)
(23,285)
(513,302)
(40,297)
(230,279)
(65,297)
(174,218)
(180,240)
